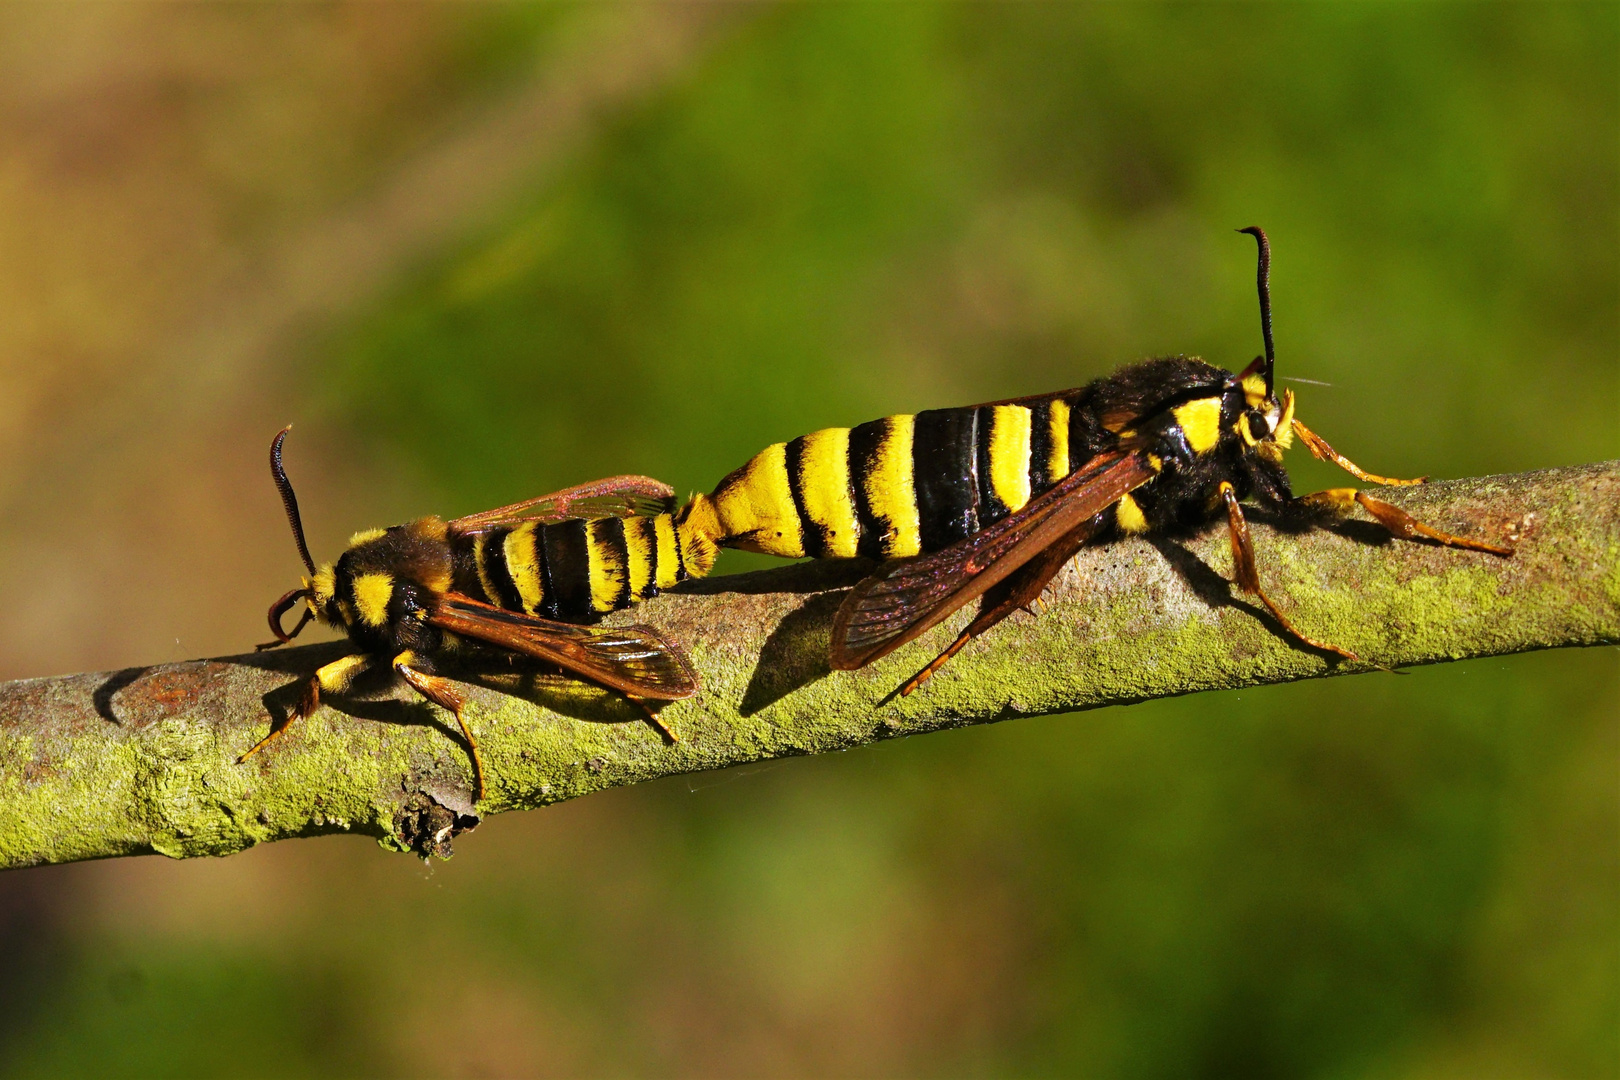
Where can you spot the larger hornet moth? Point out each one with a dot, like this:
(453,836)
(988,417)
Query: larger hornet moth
(991,500)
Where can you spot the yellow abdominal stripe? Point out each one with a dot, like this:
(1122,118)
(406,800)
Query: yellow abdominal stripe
(698,548)
(523,564)
(481,564)
(607,571)
(669,559)
(1009,455)
(639,548)
(755,505)
(824,488)
(1058,464)
(891,489)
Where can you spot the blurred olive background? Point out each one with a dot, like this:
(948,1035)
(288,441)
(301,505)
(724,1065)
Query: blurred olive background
(481,252)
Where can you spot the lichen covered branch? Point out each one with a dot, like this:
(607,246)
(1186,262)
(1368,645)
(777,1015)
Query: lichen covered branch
(144,760)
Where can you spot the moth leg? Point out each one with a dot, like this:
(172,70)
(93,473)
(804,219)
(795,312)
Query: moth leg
(443,693)
(334,678)
(654,719)
(1397,521)
(1248,576)
(1323,451)
(973,630)
(1020,591)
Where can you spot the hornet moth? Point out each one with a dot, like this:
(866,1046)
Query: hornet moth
(989,501)
(521,578)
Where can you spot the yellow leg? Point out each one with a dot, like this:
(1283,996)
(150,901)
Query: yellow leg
(1322,450)
(443,693)
(654,719)
(1248,575)
(1021,592)
(939,661)
(334,678)
(1393,518)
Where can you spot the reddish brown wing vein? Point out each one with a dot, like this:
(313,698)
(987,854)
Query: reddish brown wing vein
(908,597)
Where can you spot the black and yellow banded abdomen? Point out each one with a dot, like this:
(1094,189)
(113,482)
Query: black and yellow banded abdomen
(902,485)
(575,569)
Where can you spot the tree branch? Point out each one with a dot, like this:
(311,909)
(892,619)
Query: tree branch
(143,760)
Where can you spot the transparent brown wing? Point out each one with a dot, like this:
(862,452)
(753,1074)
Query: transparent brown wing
(617,496)
(633,659)
(909,596)
(1031,400)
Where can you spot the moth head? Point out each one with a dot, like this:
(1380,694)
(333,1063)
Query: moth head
(322,596)
(1267,425)
(1263,419)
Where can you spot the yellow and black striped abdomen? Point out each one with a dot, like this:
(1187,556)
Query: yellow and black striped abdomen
(572,570)
(902,485)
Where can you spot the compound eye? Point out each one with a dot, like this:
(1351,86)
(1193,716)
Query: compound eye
(1259,429)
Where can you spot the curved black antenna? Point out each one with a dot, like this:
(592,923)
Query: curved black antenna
(1263,279)
(288,499)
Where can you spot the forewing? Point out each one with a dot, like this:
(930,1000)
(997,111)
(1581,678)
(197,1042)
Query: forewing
(1031,400)
(618,496)
(907,597)
(634,659)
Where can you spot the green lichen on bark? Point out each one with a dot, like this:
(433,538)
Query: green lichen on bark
(144,760)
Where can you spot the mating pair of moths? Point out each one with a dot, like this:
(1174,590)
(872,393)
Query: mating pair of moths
(985,501)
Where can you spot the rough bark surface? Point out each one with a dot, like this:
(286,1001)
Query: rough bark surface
(144,760)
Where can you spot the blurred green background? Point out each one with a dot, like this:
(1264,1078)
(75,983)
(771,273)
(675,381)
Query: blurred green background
(741,224)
